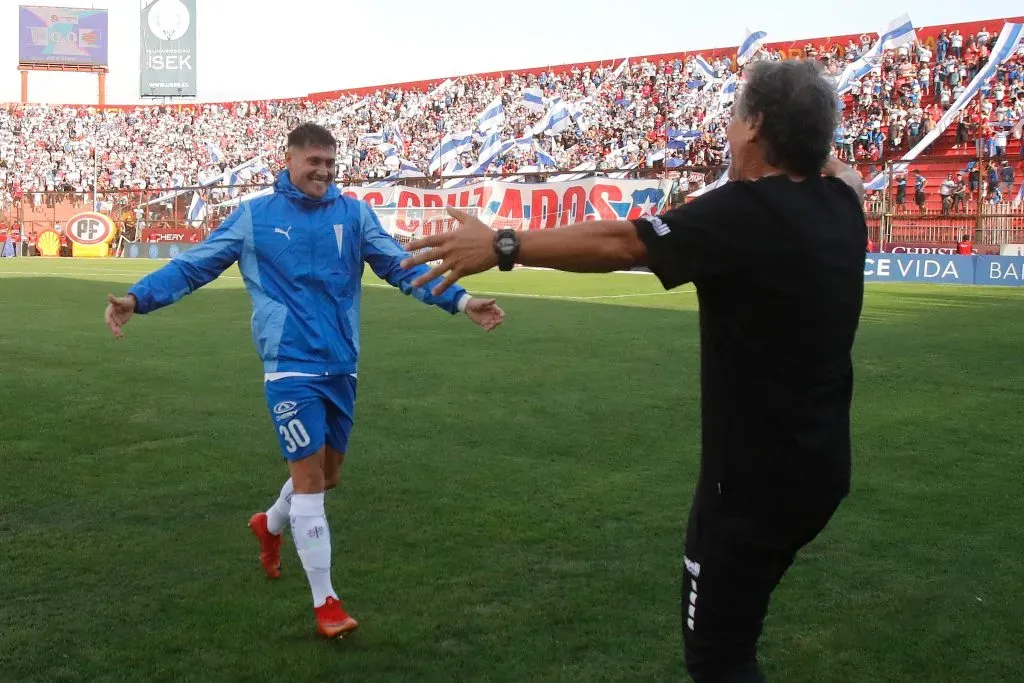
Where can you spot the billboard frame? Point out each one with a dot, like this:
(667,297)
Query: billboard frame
(100,71)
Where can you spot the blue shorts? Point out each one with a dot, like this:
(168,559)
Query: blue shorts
(311,411)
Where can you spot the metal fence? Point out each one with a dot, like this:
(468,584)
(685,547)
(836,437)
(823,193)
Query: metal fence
(982,212)
(994,225)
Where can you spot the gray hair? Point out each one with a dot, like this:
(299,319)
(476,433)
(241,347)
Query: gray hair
(798,113)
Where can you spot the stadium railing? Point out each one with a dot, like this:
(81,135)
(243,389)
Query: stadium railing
(168,207)
(165,210)
(895,219)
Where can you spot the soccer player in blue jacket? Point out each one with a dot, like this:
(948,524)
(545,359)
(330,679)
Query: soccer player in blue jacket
(301,251)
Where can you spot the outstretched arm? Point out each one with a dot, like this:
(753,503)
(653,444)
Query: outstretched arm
(196,267)
(591,247)
(385,254)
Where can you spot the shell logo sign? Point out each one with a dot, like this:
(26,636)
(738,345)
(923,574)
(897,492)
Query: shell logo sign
(90,234)
(48,243)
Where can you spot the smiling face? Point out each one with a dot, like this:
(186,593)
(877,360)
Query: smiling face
(312,168)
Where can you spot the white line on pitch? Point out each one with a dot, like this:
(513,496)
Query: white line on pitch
(553,297)
(556,297)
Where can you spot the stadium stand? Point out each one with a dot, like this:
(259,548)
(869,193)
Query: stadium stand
(617,117)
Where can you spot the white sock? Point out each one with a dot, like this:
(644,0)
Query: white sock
(312,538)
(279,512)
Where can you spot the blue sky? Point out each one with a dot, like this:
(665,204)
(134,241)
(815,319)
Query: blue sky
(266,48)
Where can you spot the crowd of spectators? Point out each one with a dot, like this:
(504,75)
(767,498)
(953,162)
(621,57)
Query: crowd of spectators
(626,116)
(889,110)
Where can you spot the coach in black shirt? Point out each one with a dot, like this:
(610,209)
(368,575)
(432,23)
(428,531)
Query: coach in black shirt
(777,257)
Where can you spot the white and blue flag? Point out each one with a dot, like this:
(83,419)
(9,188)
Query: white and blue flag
(493,117)
(705,69)
(196,210)
(396,136)
(879,182)
(898,33)
(555,121)
(525,142)
(233,181)
(449,148)
(409,169)
(543,158)
(372,139)
(749,47)
(576,111)
(729,89)
(533,99)
(491,147)
(493,150)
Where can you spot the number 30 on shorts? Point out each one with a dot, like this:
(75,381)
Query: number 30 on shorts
(295,435)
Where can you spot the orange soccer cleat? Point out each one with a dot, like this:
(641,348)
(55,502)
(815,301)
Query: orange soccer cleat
(270,545)
(332,621)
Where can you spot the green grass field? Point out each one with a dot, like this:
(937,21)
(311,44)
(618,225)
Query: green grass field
(512,505)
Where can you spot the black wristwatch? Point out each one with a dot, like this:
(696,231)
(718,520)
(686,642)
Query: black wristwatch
(506,246)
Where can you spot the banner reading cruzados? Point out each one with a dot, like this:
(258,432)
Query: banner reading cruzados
(1005,271)
(168,49)
(533,206)
(62,35)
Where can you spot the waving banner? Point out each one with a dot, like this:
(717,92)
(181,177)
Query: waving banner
(532,206)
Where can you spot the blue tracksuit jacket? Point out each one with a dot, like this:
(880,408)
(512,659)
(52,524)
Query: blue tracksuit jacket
(302,263)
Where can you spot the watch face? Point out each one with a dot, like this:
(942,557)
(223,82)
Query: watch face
(506,243)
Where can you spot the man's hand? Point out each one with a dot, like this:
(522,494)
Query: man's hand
(119,310)
(467,250)
(833,167)
(485,313)
(837,169)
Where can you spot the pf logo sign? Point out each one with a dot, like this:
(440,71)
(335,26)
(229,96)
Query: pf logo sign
(90,228)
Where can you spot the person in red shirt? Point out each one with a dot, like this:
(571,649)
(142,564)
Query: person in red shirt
(965,247)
